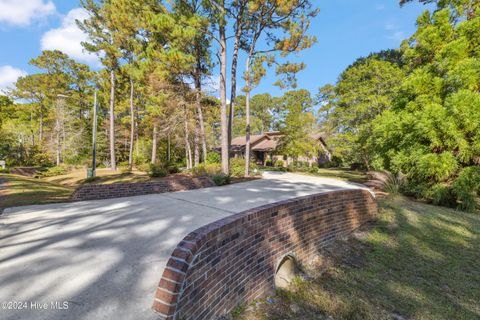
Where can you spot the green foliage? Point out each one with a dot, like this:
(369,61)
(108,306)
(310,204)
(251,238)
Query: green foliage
(157,171)
(237,167)
(172,168)
(54,171)
(467,188)
(209,169)
(393,184)
(213,157)
(279,163)
(221,179)
(419,116)
(298,124)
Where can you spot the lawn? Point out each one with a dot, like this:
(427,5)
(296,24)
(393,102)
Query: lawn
(342,174)
(17,190)
(103,176)
(416,262)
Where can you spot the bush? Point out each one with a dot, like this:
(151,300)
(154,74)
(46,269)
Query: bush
(279,163)
(442,194)
(208,169)
(237,167)
(213,157)
(173,168)
(221,179)
(123,167)
(144,167)
(467,188)
(269,163)
(157,171)
(393,183)
(6,170)
(54,171)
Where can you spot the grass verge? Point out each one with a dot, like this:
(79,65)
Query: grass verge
(20,191)
(418,261)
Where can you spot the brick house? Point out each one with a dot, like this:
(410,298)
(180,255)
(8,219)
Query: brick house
(264,147)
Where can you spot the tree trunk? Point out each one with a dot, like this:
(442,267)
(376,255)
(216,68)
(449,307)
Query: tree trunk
(132,127)
(169,152)
(198,105)
(41,125)
(188,149)
(154,144)
(57,129)
(223,95)
(113,162)
(196,142)
(247,118)
(233,93)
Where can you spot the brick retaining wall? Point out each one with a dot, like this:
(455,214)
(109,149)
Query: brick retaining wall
(118,190)
(233,260)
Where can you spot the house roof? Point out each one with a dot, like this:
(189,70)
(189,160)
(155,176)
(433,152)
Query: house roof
(241,141)
(267,141)
(266,145)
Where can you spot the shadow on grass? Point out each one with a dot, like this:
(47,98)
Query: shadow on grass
(417,262)
(20,191)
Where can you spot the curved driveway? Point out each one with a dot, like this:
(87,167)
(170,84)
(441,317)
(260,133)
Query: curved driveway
(104,258)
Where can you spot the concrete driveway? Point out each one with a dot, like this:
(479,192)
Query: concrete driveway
(104,258)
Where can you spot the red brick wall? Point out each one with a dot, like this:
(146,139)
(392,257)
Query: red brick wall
(233,260)
(118,190)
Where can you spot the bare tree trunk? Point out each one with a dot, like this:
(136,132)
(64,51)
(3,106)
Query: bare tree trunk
(188,149)
(169,151)
(196,143)
(198,105)
(154,144)
(57,129)
(247,118)
(223,95)
(113,162)
(233,93)
(41,125)
(132,127)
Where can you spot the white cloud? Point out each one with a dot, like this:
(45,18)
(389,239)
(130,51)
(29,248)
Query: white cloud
(398,36)
(394,31)
(8,76)
(68,38)
(24,12)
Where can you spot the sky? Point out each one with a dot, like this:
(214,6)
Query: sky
(345,30)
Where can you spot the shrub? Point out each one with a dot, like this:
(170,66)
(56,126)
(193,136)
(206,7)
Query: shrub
(173,168)
(157,171)
(123,167)
(442,194)
(208,169)
(221,179)
(393,183)
(213,157)
(313,169)
(269,163)
(144,167)
(54,171)
(279,163)
(237,167)
(6,170)
(467,188)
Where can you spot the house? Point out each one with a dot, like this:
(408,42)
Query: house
(264,147)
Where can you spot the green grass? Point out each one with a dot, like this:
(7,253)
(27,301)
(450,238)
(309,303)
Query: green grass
(20,191)
(417,262)
(342,174)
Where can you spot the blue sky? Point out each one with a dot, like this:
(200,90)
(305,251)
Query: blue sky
(345,29)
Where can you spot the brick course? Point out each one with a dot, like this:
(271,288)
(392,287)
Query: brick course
(119,190)
(233,260)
